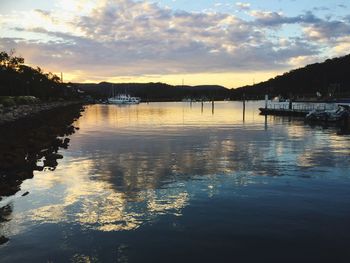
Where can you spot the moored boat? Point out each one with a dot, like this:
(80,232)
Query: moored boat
(124,99)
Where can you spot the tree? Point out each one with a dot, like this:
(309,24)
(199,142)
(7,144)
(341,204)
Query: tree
(18,79)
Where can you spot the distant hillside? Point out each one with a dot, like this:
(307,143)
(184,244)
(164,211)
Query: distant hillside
(156,91)
(331,77)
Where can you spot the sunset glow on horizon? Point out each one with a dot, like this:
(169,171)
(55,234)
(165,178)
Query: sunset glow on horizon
(171,41)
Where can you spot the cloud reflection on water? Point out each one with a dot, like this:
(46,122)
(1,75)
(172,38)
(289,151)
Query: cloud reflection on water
(127,166)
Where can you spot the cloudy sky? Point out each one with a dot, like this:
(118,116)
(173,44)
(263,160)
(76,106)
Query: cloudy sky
(203,41)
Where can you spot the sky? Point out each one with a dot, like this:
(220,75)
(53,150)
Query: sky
(230,43)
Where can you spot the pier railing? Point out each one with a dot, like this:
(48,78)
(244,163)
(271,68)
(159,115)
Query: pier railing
(301,106)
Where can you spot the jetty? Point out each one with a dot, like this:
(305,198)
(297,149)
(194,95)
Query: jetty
(296,109)
(284,112)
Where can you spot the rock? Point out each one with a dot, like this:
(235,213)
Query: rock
(38,168)
(3,240)
(53,156)
(7,190)
(12,113)
(24,175)
(50,163)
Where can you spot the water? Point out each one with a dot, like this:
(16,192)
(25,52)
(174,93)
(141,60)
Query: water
(171,182)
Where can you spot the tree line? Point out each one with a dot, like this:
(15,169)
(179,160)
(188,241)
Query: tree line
(18,79)
(327,80)
(156,91)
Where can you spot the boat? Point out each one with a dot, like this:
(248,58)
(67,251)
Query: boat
(279,98)
(125,99)
(339,114)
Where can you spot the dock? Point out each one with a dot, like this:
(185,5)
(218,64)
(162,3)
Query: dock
(296,109)
(284,112)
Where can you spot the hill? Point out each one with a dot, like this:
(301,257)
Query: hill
(156,91)
(330,79)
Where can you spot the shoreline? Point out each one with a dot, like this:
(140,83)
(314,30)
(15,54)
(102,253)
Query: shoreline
(37,136)
(15,113)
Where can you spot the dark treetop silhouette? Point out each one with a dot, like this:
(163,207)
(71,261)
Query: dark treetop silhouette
(18,79)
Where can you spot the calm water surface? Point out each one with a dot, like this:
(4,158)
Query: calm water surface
(170,182)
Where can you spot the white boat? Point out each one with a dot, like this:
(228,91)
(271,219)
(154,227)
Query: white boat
(124,99)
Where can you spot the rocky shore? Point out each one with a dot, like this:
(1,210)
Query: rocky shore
(30,145)
(26,141)
(10,114)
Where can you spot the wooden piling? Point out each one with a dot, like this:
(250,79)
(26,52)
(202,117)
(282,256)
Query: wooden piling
(243,107)
(212,106)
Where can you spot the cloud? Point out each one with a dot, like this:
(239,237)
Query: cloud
(327,33)
(327,30)
(314,27)
(270,19)
(128,38)
(43,13)
(321,8)
(243,6)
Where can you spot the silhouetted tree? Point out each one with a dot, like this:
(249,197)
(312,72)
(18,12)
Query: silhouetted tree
(17,79)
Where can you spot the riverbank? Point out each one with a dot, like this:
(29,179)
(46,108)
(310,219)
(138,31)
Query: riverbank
(28,140)
(14,113)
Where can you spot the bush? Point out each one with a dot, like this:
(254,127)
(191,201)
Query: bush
(20,100)
(7,101)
